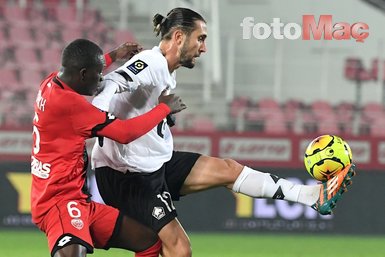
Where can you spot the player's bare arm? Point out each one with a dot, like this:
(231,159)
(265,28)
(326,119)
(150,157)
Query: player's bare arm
(125,51)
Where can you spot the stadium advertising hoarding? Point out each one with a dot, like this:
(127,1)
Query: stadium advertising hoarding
(284,151)
(223,210)
(15,188)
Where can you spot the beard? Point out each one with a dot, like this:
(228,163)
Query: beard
(185,60)
(188,63)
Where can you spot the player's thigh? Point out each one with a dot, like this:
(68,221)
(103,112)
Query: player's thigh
(132,235)
(177,170)
(209,172)
(110,228)
(104,222)
(67,223)
(175,241)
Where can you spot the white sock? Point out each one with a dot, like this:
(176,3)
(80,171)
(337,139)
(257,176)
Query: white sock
(264,185)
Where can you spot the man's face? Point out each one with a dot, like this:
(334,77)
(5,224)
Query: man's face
(193,45)
(91,78)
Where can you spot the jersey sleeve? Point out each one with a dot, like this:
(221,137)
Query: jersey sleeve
(154,73)
(88,121)
(147,69)
(144,70)
(112,84)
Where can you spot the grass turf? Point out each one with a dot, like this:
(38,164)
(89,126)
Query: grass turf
(33,244)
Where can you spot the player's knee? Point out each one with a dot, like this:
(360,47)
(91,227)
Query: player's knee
(185,251)
(233,169)
(179,247)
(74,250)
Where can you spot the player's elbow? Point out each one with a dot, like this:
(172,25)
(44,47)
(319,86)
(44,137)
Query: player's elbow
(125,139)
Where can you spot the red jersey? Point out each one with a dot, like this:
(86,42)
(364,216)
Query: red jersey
(62,122)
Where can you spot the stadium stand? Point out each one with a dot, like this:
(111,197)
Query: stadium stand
(32,37)
(200,124)
(318,117)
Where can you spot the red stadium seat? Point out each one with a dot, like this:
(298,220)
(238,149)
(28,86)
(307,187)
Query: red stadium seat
(372,111)
(65,14)
(51,55)
(253,114)
(268,107)
(308,122)
(49,35)
(345,114)
(13,13)
(268,103)
(321,109)
(51,59)
(69,34)
(203,124)
(8,78)
(291,110)
(325,118)
(20,115)
(345,111)
(30,79)
(275,125)
(328,127)
(377,127)
(22,36)
(51,3)
(27,58)
(239,106)
(4,42)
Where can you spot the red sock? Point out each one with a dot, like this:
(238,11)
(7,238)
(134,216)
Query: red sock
(153,251)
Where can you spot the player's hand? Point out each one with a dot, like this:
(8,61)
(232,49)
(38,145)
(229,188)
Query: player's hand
(125,51)
(173,101)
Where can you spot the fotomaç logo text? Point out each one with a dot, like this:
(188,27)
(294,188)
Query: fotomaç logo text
(310,29)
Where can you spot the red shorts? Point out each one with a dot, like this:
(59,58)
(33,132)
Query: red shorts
(79,222)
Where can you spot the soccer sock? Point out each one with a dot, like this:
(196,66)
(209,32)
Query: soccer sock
(153,251)
(265,185)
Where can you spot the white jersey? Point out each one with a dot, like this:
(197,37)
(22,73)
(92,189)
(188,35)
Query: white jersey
(148,76)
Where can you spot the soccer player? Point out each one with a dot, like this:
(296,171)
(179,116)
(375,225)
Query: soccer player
(143,178)
(63,120)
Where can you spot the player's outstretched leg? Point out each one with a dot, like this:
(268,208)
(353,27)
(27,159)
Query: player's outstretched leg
(331,191)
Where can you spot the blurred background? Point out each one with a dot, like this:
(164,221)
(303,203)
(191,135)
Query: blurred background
(257,101)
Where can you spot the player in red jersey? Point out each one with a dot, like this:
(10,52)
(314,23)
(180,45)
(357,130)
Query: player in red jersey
(63,120)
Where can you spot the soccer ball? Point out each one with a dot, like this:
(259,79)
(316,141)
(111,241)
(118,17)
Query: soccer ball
(327,155)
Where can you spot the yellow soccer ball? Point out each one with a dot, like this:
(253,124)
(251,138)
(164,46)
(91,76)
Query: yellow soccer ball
(327,155)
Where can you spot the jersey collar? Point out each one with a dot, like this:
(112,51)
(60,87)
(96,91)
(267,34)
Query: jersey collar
(61,84)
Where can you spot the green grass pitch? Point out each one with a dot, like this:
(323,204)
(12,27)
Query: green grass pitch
(33,244)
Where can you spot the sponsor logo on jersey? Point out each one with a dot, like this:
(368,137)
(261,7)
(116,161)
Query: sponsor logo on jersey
(137,66)
(40,169)
(158,212)
(77,223)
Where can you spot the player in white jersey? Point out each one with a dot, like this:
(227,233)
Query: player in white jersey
(144,177)
(144,76)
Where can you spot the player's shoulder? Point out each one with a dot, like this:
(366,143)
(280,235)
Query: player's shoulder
(152,59)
